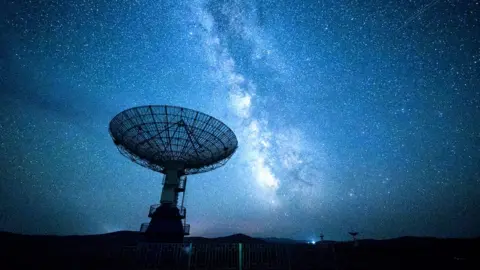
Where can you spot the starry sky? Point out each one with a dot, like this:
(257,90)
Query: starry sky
(350,115)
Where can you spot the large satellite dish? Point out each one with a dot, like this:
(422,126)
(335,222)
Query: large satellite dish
(176,142)
(159,137)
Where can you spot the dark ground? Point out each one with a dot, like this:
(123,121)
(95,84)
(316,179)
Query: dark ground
(105,252)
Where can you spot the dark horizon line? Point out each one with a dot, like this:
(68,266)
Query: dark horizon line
(245,235)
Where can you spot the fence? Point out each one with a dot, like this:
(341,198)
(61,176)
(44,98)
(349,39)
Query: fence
(227,256)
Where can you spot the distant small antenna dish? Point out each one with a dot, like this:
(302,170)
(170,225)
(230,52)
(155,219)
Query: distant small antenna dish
(354,235)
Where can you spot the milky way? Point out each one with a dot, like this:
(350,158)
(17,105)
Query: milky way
(349,115)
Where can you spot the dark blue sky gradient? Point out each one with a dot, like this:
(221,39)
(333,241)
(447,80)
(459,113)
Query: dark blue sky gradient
(350,115)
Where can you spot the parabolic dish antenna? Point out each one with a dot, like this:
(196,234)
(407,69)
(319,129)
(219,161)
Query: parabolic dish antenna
(176,142)
(160,137)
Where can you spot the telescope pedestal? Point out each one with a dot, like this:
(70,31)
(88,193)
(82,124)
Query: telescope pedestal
(166,225)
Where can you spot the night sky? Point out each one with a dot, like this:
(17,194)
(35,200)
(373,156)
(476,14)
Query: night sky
(350,115)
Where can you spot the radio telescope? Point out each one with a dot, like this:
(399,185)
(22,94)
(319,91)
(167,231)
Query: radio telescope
(175,142)
(354,235)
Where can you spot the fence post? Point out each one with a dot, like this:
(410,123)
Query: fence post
(289,257)
(240,256)
(190,250)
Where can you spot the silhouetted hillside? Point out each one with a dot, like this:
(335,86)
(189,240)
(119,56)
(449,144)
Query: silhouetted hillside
(104,251)
(236,238)
(282,240)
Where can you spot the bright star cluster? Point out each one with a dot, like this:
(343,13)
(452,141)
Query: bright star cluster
(350,115)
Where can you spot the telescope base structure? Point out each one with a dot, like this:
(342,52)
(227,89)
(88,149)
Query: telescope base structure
(166,225)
